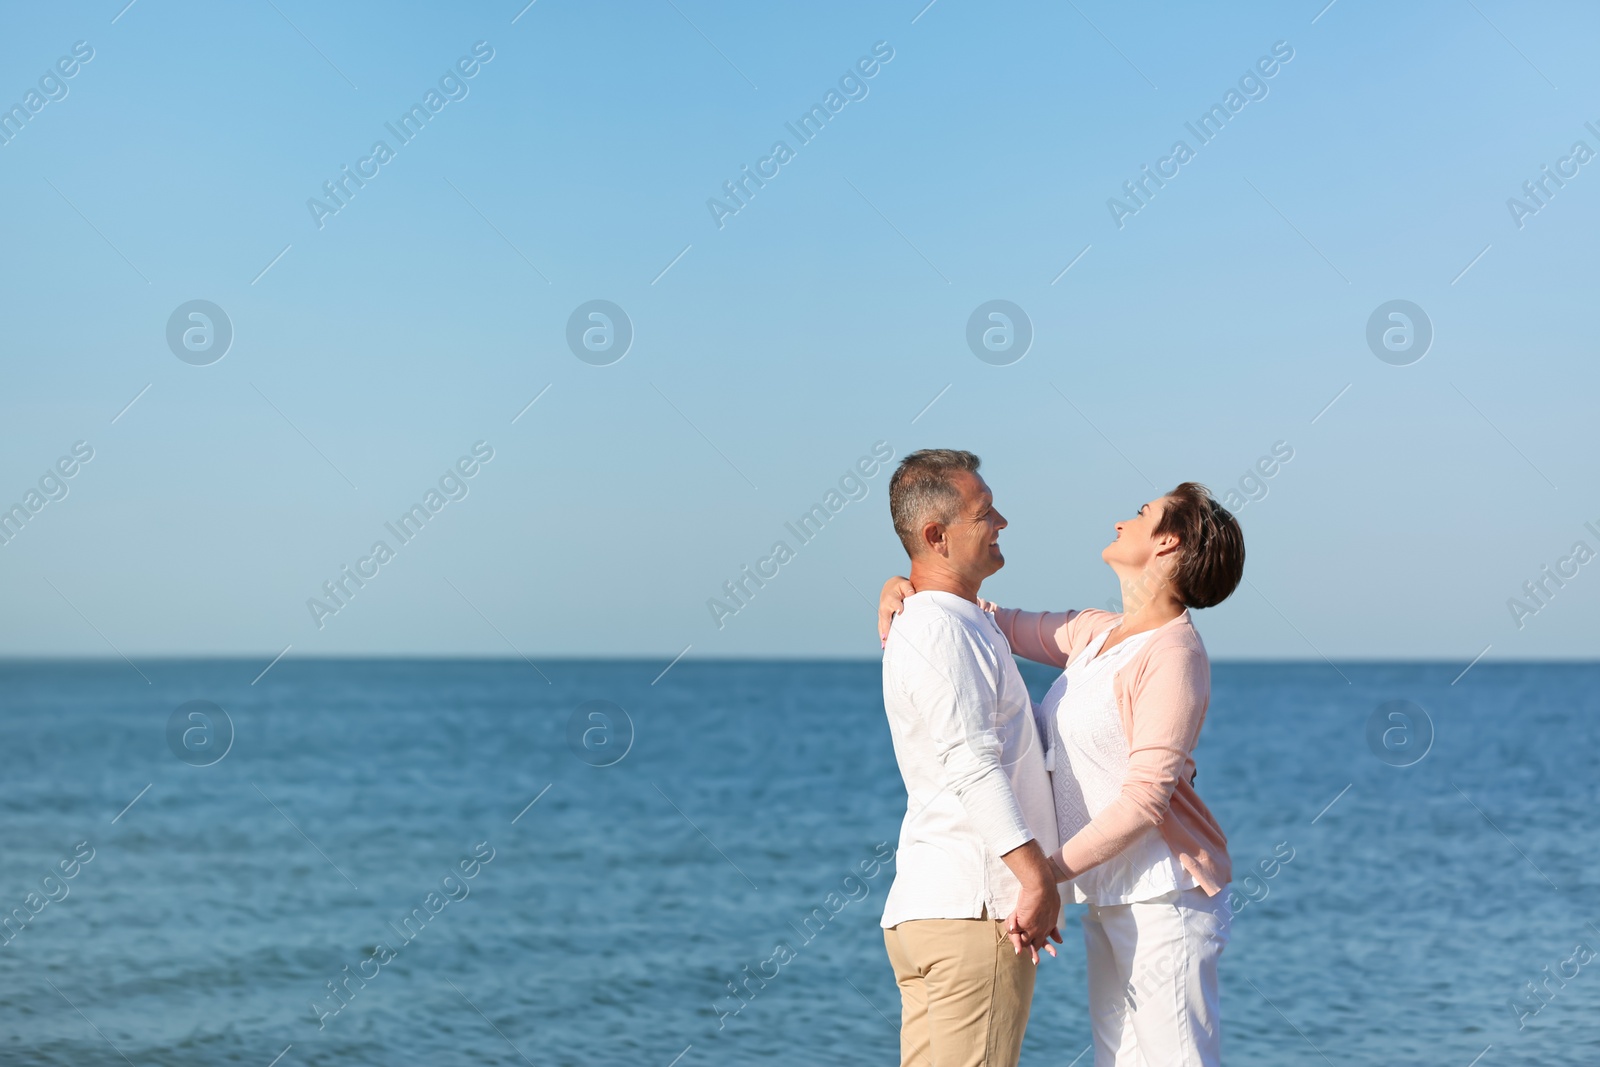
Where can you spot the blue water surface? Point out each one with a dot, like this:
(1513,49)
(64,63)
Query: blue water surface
(749,809)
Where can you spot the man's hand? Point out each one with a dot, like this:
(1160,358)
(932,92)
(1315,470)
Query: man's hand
(1039,903)
(1017,942)
(890,601)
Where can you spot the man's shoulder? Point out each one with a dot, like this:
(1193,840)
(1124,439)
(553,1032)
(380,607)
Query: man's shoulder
(936,609)
(935,626)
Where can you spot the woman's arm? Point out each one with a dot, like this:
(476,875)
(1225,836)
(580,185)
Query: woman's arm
(1037,635)
(1168,708)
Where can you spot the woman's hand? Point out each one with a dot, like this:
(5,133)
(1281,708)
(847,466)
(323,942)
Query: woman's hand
(890,601)
(1018,942)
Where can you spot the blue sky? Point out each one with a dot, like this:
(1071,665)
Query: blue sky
(772,352)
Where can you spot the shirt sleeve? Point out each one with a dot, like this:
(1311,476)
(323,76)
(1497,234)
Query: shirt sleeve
(957,697)
(1168,709)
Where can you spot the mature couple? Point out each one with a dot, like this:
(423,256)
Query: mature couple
(1093,788)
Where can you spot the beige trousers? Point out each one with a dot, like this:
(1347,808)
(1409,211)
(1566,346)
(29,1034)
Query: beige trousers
(964,992)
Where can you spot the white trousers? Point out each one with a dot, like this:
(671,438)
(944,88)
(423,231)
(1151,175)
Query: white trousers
(1153,979)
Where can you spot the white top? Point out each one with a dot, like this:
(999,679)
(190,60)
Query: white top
(1090,765)
(970,754)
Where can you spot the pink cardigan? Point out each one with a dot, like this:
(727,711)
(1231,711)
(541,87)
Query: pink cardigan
(1162,694)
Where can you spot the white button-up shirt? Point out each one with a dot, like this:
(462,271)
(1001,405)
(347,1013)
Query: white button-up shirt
(970,754)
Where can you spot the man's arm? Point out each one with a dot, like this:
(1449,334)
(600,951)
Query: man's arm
(1039,904)
(959,702)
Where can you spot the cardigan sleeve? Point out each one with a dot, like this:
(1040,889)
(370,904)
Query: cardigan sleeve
(1037,635)
(1169,705)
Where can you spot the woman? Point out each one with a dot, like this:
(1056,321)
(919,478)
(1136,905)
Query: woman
(1141,849)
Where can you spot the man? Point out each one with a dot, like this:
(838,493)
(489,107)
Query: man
(980,820)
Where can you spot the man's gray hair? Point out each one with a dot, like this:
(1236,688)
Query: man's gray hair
(923,491)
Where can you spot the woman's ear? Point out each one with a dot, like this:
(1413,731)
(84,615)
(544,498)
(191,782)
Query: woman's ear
(1165,560)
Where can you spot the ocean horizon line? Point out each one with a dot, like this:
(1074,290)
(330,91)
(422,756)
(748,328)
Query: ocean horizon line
(444,657)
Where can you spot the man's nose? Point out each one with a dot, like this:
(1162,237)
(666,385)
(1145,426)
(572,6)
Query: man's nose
(1000,521)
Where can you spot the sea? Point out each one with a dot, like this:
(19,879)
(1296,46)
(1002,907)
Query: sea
(597,862)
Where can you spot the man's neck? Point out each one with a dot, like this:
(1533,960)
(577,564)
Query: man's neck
(929,577)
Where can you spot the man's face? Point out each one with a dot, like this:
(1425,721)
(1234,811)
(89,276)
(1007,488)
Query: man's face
(973,535)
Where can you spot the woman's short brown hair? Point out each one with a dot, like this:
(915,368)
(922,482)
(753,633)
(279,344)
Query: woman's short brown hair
(1211,545)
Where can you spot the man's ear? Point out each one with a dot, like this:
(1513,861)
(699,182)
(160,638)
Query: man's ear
(933,538)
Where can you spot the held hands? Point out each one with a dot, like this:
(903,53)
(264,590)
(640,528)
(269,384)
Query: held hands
(1038,903)
(1017,940)
(1015,926)
(1034,922)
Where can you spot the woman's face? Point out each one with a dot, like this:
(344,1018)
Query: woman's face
(1135,545)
